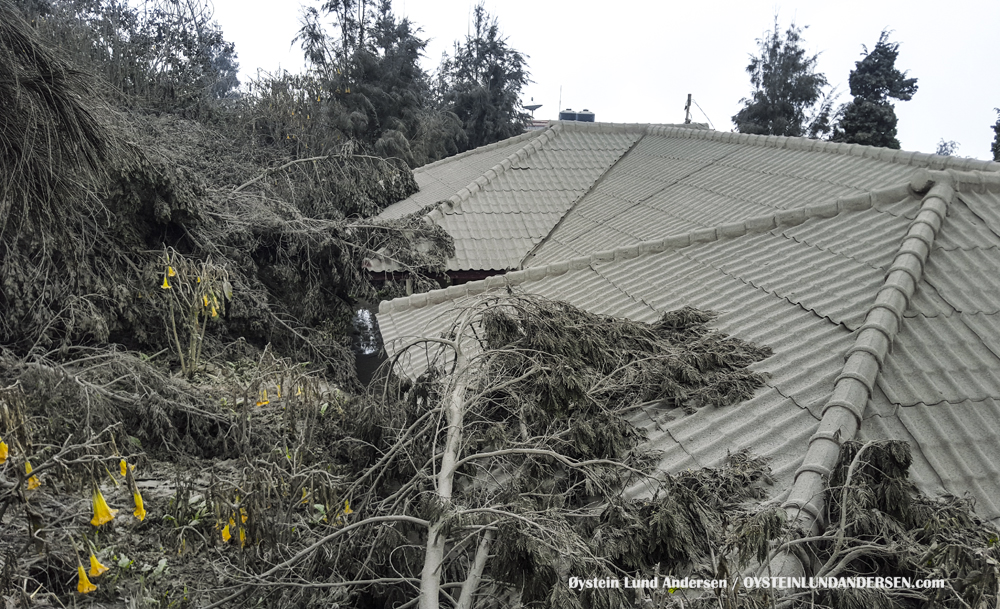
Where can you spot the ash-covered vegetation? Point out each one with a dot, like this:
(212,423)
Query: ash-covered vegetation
(180,423)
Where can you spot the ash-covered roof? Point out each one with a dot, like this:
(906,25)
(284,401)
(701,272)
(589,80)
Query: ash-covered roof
(801,246)
(576,188)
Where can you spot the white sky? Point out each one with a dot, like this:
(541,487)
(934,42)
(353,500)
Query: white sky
(636,61)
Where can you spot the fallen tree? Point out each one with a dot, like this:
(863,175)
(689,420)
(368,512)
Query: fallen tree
(500,471)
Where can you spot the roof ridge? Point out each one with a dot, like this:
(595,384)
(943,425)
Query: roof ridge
(902,157)
(844,410)
(531,252)
(527,135)
(759,224)
(454,202)
(643,128)
(961,181)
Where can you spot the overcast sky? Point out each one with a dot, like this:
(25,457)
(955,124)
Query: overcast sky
(636,61)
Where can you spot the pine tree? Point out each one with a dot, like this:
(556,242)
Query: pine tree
(787,96)
(484,82)
(996,138)
(871,119)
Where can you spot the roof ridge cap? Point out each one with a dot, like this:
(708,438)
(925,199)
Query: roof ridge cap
(527,135)
(960,180)
(454,202)
(901,157)
(845,408)
(758,224)
(625,127)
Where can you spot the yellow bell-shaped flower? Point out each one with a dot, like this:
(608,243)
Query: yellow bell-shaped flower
(33,481)
(96,568)
(3,452)
(347,508)
(102,513)
(226,535)
(84,586)
(140,509)
(166,285)
(170,271)
(123,467)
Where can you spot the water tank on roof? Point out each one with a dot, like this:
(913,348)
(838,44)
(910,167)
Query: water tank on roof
(585,116)
(567,115)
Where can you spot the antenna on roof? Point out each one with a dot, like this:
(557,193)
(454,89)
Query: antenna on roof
(703,113)
(687,111)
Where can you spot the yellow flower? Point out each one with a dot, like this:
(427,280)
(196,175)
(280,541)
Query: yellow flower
(96,568)
(199,279)
(140,509)
(214,312)
(84,586)
(226,535)
(33,481)
(279,392)
(347,508)
(102,513)
(263,399)
(170,271)
(243,537)
(204,299)
(166,285)
(299,392)
(243,515)
(3,452)
(123,466)
(305,496)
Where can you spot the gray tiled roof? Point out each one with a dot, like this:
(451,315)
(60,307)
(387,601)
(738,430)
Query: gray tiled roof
(801,278)
(577,188)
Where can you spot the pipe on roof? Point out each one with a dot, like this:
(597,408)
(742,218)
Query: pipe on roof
(844,411)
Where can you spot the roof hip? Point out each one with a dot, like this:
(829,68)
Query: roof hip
(844,410)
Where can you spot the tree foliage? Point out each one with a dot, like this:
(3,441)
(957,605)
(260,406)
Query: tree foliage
(484,81)
(870,118)
(375,90)
(90,202)
(170,55)
(996,138)
(787,97)
(501,469)
(946,147)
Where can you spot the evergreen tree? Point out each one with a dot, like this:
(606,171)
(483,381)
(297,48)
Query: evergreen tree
(484,82)
(996,138)
(871,119)
(787,96)
(380,94)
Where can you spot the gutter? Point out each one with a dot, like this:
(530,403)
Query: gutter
(845,409)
